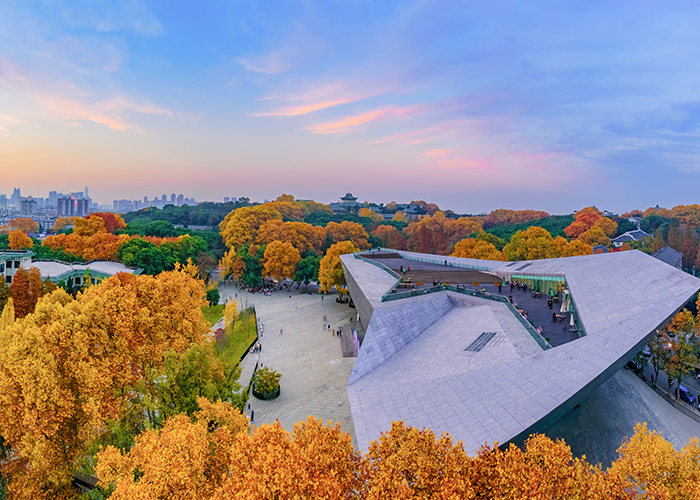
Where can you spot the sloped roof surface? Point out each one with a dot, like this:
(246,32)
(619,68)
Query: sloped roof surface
(412,365)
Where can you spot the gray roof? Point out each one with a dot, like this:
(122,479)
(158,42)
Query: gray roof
(412,365)
(635,235)
(670,256)
(55,269)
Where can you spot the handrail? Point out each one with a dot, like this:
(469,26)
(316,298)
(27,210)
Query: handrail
(377,264)
(541,341)
(433,261)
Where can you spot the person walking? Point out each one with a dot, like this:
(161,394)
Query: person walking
(280,331)
(252,415)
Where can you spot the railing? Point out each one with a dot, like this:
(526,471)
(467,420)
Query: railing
(541,341)
(438,262)
(377,264)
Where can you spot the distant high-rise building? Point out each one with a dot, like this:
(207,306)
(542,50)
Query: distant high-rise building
(227,199)
(87,193)
(3,201)
(145,200)
(122,206)
(65,206)
(82,207)
(16,198)
(164,199)
(172,198)
(180,200)
(28,207)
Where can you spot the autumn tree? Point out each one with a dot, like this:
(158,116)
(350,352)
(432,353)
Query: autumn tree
(112,222)
(690,247)
(76,364)
(438,233)
(595,236)
(19,240)
(649,466)
(280,260)
(5,292)
(472,248)
(406,462)
(371,214)
(184,459)
(400,217)
(61,223)
(25,290)
(675,238)
(658,242)
(390,237)
(533,243)
(330,273)
(240,227)
(347,231)
(230,315)
(24,224)
(502,217)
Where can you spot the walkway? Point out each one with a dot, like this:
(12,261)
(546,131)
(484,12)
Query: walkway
(314,372)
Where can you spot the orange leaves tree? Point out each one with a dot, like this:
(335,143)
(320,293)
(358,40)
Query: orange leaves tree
(280,260)
(25,290)
(506,217)
(75,364)
(19,241)
(347,231)
(390,237)
(24,224)
(437,234)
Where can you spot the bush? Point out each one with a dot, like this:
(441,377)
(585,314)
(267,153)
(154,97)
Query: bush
(266,383)
(213,296)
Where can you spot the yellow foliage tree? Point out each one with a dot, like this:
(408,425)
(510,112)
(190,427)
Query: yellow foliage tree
(533,243)
(595,236)
(189,269)
(400,217)
(477,249)
(348,231)
(368,212)
(226,262)
(240,226)
(183,460)
(230,315)
(73,365)
(61,223)
(280,260)
(24,224)
(88,226)
(19,241)
(330,271)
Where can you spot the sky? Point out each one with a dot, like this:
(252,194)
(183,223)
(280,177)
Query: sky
(473,105)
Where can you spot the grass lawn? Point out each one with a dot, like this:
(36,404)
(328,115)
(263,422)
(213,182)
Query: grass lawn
(244,331)
(213,313)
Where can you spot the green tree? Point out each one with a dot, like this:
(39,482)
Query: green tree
(213,296)
(658,355)
(307,270)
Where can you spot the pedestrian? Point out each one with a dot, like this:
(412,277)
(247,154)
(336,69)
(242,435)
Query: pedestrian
(409,269)
(333,333)
(499,287)
(511,286)
(252,415)
(554,317)
(321,297)
(280,331)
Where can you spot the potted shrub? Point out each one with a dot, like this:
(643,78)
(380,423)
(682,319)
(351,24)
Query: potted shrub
(266,383)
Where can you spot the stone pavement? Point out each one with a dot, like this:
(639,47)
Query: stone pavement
(314,373)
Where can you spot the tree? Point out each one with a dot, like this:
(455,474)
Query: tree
(213,295)
(19,240)
(409,463)
(681,361)
(502,217)
(347,231)
(390,237)
(330,272)
(25,290)
(77,364)
(280,260)
(650,467)
(88,226)
(61,223)
(184,459)
(400,217)
(659,354)
(307,270)
(112,222)
(240,227)
(476,249)
(690,247)
(230,315)
(595,236)
(371,214)
(675,238)
(658,243)
(533,243)
(24,224)
(5,292)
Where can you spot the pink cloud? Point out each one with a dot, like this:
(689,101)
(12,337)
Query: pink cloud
(438,152)
(346,124)
(306,108)
(350,123)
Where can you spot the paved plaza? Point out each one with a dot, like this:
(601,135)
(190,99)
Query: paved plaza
(314,373)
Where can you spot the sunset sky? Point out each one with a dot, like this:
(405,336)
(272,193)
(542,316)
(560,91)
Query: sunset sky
(474,105)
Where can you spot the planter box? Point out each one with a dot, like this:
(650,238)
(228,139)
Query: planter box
(266,395)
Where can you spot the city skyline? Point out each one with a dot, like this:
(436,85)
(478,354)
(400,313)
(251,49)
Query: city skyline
(471,106)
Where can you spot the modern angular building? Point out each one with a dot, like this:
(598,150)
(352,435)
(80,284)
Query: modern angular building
(487,364)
